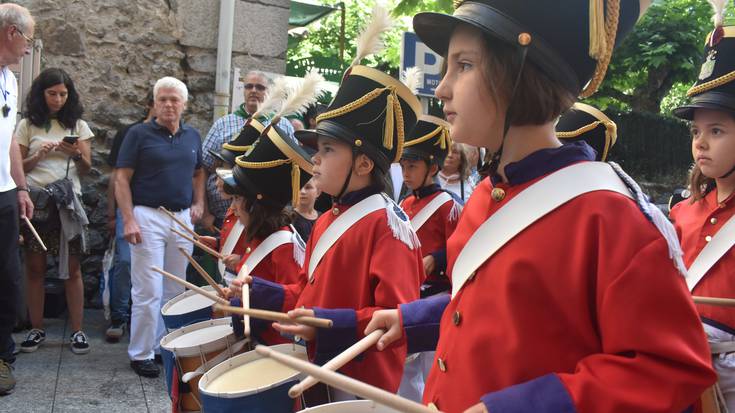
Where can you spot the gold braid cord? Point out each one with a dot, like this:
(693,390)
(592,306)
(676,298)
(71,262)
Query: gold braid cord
(444,141)
(611,29)
(695,90)
(575,133)
(295,173)
(393,119)
(236,148)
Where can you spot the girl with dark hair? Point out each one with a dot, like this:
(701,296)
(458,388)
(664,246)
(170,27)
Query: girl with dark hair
(567,284)
(55,144)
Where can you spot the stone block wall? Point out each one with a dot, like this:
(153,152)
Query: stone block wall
(115,50)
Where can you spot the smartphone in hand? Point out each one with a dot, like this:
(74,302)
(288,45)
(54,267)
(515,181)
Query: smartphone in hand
(71,139)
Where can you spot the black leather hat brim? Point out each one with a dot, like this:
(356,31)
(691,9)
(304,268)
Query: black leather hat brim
(707,100)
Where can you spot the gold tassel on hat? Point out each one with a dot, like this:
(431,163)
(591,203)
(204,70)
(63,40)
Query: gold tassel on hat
(598,41)
(388,133)
(295,183)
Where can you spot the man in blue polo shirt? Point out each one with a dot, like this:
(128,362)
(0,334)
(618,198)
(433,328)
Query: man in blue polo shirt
(159,164)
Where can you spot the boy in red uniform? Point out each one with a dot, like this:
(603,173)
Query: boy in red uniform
(567,286)
(705,222)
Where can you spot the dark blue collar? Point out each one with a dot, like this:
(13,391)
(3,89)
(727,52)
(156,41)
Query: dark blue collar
(427,190)
(545,161)
(158,126)
(351,198)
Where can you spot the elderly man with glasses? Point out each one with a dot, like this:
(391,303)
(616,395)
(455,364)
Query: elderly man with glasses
(223,130)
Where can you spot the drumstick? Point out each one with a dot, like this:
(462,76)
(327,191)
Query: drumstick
(336,363)
(723,302)
(202,272)
(276,316)
(345,383)
(35,234)
(245,297)
(178,221)
(191,286)
(198,244)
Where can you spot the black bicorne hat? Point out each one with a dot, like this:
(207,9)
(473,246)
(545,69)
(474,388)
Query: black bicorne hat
(715,86)
(586,123)
(372,112)
(230,186)
(274,169)
(240,144)
(429,141)
(560,33)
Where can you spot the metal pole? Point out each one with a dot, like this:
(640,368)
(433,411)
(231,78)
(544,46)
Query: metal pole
(224,58)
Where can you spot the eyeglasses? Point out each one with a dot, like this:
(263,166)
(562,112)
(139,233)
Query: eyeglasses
(29,40)
(258,86)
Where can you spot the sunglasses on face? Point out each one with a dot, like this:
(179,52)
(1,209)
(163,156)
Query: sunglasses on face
(257,86)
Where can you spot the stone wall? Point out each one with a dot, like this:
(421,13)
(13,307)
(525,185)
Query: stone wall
(115,50)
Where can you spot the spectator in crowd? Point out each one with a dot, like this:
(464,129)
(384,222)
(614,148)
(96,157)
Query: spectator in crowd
(297,124)
(155,160)
(119,283)
(16,34)
(304,213)
(55,144)
(456,171)
(225,129)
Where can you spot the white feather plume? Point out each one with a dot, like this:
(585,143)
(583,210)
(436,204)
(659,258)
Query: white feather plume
(370,40)
(303,95)
(412,77)
(275,97)
(719,8)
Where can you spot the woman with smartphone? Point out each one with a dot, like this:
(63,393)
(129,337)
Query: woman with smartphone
(55,144)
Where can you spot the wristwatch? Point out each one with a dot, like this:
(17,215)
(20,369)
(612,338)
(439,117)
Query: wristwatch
(23,188)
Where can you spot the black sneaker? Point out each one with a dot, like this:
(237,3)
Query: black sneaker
(7,380)
(115,332)
(145,368)
(33,340)
(79,343)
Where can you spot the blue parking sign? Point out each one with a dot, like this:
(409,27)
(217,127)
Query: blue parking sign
(416,53)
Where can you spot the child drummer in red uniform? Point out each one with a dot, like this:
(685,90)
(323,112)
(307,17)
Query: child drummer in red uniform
(567,286)
(705,221)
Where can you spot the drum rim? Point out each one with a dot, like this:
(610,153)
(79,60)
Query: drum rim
(186,294)
(224,367)
(345,403)
(207,347)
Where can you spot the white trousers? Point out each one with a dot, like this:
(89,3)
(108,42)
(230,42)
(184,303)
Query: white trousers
(415,372)
(724,365)
(159,247)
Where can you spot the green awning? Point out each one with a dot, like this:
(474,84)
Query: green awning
(303,14)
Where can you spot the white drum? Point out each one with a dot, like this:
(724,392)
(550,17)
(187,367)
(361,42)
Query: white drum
(353,406)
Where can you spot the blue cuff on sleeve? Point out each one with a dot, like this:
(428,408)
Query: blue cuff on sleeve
(440,261)
(545,394)
(332,341)
(266,295)
(421,320)
(237,325)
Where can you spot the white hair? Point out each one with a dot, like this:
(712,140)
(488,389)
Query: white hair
(13,14)
(263,75)
(169,82)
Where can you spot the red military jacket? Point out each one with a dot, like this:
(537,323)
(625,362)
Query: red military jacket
(695,224)
(434,233)
(367,269)
(583,311)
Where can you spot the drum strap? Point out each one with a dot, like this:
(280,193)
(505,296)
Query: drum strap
(340,225)
(721,242)
(427,211)
(529,206)
(230,243)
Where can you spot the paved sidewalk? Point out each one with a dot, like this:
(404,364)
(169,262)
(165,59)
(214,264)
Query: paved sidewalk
(53,379)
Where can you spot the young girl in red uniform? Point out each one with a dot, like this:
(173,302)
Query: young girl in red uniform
(567,287)
(705,222)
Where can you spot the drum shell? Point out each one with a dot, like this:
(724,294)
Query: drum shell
(195,315)
(352,406)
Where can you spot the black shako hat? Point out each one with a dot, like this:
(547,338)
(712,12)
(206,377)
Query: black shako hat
(564,34)
(586,123)
(429,141)
(273,170)
(715,86)
(372,111)
(240,144)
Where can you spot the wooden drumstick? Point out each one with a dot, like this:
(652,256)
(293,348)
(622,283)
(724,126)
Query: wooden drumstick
(276,316)
(336,363)
(345,383)
(180,222)
(191,286)
(722,302)
(245,297)
(35,234)
(202,272)
(198,244)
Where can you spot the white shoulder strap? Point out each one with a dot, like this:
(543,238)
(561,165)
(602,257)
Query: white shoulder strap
(230,243)
(721,242)
(341,225)
(427,211)
(273,241)
(528,207)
